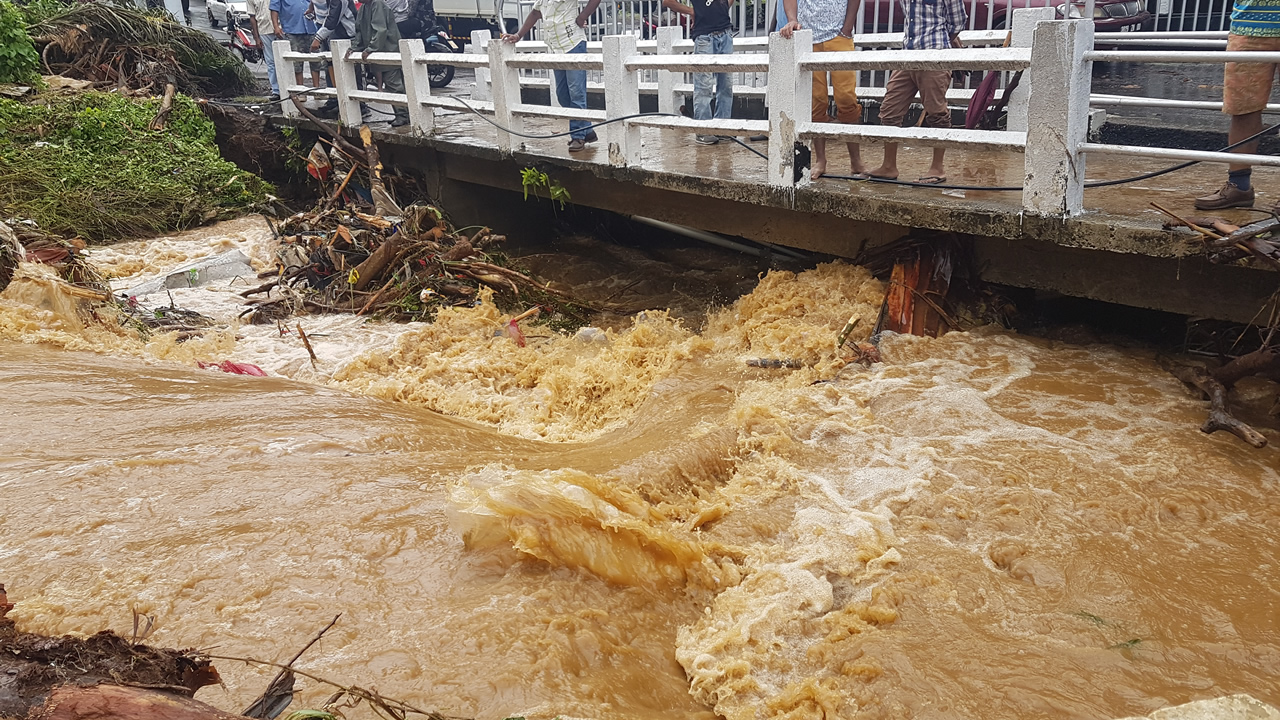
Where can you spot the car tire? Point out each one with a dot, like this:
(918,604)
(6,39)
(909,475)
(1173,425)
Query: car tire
(213,21)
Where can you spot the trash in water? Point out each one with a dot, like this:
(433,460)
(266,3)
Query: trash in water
(234,368)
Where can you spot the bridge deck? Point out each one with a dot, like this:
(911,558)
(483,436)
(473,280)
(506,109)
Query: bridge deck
(1118,250)
(1117,218)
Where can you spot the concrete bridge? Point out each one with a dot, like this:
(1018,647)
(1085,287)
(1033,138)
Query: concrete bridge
(1051,227)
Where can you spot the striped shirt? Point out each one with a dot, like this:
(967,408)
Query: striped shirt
(559,28)
(1256,18)
(931,23)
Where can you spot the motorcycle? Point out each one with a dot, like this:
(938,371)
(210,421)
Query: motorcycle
(437,40)
(242,42)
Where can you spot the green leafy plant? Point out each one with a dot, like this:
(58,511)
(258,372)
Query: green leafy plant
(531,179)
(19,62)
(89,165)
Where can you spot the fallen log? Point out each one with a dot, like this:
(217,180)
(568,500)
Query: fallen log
(100,702)
(1220,417)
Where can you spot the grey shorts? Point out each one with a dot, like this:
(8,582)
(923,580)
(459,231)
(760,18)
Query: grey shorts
(302,43)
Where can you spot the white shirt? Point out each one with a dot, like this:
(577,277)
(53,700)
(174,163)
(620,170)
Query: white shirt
(261,12)
(559,28)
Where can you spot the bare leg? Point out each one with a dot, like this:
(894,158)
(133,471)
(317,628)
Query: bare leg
(935,169)
(889,168)
(1242,126)
(819,166)
(855,159)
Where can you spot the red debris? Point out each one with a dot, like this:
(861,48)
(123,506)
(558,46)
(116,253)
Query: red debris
(234,368)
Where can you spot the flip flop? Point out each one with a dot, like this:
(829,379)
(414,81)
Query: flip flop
(869,176)
(933,180)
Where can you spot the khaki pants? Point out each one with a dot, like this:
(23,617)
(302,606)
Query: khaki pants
(845,84)
(902,88)
(1247,86)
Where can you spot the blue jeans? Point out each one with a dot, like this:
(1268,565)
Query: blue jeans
(571,92)
(717,43)
(269,55)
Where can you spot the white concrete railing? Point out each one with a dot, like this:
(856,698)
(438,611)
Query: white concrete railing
(1048,114)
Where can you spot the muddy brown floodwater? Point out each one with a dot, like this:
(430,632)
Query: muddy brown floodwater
(983,526)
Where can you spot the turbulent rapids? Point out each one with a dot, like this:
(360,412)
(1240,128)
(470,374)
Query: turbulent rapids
(640,525)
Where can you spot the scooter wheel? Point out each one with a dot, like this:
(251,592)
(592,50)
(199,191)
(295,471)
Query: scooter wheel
(439,76)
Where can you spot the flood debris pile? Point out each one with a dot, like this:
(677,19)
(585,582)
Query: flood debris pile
(402,268)
(112,166)
(40,674)
(1227,243)
(117,46)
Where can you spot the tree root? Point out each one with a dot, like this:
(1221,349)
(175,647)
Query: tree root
(1216,386)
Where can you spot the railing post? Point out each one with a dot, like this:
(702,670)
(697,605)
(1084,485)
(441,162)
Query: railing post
(344,79)
(506,93)
(1024,25)
(480,38)
(1057,118)
(789,90)
(668,35)
(621,98)
(417,86)
(284,76)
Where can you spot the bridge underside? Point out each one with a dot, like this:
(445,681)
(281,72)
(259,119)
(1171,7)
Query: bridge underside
(1117,252)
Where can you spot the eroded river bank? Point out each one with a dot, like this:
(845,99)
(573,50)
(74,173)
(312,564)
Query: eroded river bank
(983,525)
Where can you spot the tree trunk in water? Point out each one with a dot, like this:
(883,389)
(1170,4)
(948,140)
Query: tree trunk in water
(100,702)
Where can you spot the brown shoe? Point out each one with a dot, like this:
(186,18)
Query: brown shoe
(1228,196)
(575,145)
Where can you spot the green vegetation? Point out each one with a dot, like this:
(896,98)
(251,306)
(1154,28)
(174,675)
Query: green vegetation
(19,62)
(533,178)
(88,165)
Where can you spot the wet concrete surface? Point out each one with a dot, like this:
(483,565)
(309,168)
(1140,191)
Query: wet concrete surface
(1118,218)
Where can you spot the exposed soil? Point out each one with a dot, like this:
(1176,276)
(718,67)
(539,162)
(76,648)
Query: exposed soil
(31,665)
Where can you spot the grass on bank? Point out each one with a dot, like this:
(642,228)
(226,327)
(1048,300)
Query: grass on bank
(88,165)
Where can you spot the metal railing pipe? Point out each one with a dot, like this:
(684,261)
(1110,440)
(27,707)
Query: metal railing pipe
(1179,154)
(1169,56)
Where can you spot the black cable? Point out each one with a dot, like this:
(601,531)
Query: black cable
(590,126)
(886,181)
(1088,185)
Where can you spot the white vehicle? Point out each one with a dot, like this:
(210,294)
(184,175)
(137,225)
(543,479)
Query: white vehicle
(220,11)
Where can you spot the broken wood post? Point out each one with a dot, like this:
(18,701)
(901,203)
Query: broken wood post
(382,202)
(166,107)
(373,266)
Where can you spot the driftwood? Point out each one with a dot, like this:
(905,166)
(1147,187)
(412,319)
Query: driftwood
(101,702)
(166,106)
(1216,386)
(373,266)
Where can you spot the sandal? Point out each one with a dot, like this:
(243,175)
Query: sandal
(869,176)
(933,180)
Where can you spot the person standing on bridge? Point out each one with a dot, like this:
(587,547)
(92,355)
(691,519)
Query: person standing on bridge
(931,25)
(376,31)
(562,26)
(832,24)
(264,33)
(1246,88)
(712,34)
(291,23)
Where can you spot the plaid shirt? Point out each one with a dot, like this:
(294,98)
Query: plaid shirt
(931,23)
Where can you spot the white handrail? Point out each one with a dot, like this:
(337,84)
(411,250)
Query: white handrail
(1052,105)
(1162,56)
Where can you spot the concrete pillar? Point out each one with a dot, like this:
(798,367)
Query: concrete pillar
(789,90)
(1057,118)
(668,35)
(344,80)
(284,78)
(621,97)
(506,93)
(417,86)
(1024,24)
(479,39)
